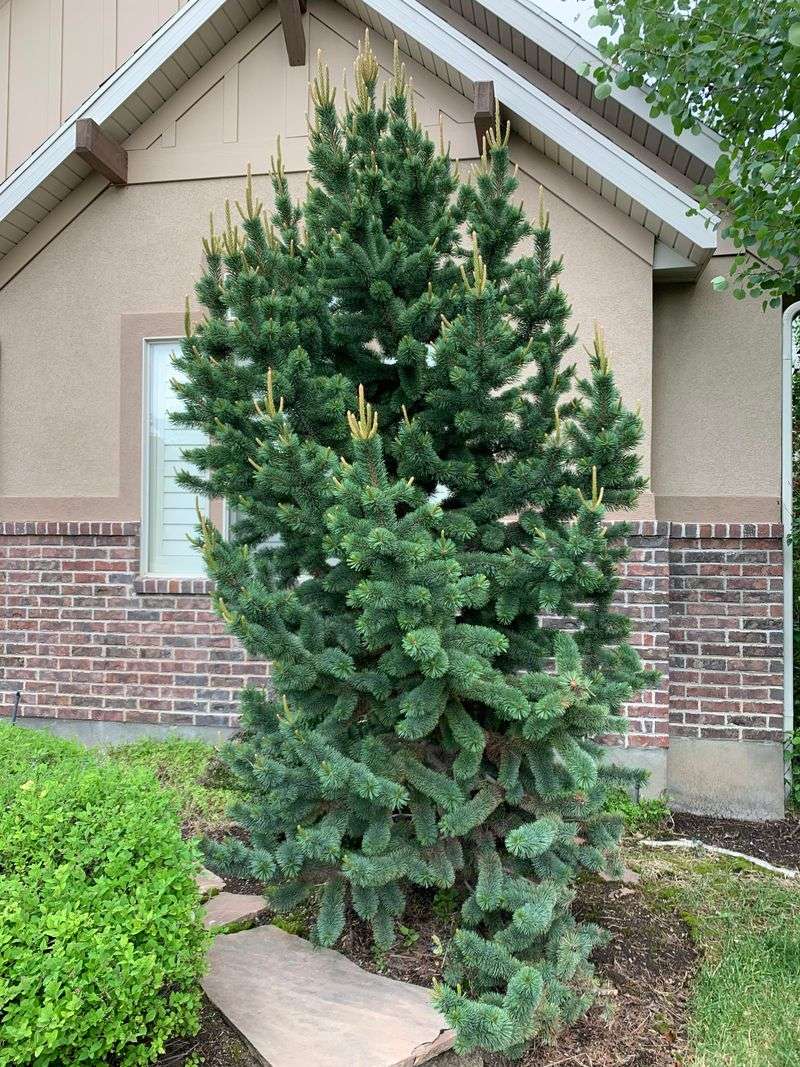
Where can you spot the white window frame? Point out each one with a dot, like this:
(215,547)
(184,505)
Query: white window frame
(144,527)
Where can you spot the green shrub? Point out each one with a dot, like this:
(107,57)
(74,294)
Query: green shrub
(22,751)
(640,816)
(101,940)
(793,753)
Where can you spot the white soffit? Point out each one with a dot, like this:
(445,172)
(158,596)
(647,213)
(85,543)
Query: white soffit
(566,45)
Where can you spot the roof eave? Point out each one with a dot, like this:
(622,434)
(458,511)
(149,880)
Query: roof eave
(573,50)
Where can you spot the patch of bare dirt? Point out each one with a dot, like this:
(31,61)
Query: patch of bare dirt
(777,841)
(645,971)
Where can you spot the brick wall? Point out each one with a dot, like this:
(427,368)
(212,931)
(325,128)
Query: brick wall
(643,595)
(84,637)
(726,631)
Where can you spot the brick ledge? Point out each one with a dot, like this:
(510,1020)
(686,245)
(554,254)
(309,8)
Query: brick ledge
(150,586)
(69,529)
(638,528)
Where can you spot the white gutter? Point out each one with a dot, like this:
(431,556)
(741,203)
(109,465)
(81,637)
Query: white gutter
(105,100)
(571,49)
(786,516)
(635,179)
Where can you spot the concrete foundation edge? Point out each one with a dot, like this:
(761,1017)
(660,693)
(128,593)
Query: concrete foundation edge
(730,779)
(95,732)
(652,760)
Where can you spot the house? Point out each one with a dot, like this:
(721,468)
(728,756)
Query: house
(122,125)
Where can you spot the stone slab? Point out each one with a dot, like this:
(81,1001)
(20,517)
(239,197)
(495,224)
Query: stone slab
(730,779)
(227,908)
(301,1006)
(209,883)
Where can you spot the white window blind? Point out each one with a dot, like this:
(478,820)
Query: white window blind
(169,509)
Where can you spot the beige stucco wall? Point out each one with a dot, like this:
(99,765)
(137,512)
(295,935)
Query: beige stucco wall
(607,278)
(717,397)
(136,251)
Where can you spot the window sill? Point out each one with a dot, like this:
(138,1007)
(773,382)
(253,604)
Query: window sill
(149,585)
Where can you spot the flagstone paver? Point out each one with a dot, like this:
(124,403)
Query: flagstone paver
(209,883)
(227,908)
(301,1006)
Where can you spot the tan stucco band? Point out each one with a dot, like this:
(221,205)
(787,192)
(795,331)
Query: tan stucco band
(718,508)
(127,505)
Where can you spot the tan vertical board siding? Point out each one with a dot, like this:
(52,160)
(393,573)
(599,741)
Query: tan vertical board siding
(717,384)
(54,53)
(28,90)
(5,40)
(86,61)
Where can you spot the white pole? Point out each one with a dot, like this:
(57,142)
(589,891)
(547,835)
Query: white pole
(786,518)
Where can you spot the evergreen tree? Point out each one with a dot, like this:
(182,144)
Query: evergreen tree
(432,577)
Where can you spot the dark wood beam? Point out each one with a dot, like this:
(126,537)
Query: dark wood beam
(292,21)
(100,152)
(484,110)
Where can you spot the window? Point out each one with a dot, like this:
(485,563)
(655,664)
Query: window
(168,510)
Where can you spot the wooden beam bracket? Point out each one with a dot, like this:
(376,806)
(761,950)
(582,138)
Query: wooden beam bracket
(100,152)
(484,110)
(291,12)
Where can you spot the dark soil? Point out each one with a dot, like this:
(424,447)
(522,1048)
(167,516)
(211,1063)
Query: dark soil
(417,955)
(217,1043)
(640,1017)
(777,842)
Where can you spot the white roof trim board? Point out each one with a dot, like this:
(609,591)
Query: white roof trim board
(571,49)
(657,196)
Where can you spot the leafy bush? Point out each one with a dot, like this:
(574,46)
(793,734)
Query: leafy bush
(24,751)
(101,941)
(793,753)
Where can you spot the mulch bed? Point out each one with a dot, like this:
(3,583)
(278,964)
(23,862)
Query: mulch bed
(646,970)
(640,1018)
(777,842)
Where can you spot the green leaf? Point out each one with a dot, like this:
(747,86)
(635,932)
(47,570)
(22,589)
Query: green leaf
(603,90)
(794,35)
(583,69)
(768,172)
(720,283)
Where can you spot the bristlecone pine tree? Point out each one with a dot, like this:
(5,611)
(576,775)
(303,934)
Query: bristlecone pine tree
(405,567)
